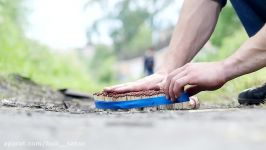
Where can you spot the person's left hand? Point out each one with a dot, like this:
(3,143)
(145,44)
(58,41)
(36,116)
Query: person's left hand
(152,82)
(200,77)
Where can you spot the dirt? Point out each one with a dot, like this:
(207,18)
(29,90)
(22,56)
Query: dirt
(19,91)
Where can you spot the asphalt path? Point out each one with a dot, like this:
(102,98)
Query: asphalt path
(209,128)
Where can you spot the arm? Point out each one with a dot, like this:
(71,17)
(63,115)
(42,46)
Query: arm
(251,56)
(195,25)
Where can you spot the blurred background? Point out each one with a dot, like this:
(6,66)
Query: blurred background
(88,44)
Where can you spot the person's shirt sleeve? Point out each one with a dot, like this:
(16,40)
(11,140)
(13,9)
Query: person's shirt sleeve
(222,2)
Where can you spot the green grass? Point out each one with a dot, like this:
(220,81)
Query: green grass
(39,63)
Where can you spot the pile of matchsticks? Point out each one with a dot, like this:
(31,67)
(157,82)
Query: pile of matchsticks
(193,102)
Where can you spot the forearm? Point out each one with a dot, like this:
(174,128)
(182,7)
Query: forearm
(193,29)
(250,57)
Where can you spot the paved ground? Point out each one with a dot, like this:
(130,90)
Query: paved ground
(233,128)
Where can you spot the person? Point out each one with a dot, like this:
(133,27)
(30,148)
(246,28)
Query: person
(149,62)
(193,29)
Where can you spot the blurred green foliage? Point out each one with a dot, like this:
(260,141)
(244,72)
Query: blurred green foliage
(228,24)
(135,24)
(139,43)
(29,58)
(102,64)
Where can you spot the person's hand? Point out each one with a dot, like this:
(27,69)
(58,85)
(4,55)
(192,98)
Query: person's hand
(148,83)
(200,77)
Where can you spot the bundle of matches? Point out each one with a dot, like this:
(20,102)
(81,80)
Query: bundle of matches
(131,98)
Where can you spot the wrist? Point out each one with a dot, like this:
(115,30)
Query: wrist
(229,69)
(173,60)
(238,64)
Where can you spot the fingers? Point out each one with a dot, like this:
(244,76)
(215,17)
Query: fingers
(156,87)
(170,93)
(178,87)
(150,82)
(172,84)
(169,85)
(138,86)
(130,88)
(169,80)
(176,81)
(160,85)
(113,88)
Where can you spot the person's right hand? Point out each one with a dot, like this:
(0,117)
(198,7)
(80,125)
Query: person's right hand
(152,82)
